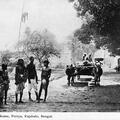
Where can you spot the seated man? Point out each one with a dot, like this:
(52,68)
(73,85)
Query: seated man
(84,57)
(90,58)
(86,62)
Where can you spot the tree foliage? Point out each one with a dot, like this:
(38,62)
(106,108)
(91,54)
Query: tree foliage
(78,49)
(39,44)
(102,22)
(5,57)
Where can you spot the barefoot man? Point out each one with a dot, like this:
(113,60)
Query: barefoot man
(45,75)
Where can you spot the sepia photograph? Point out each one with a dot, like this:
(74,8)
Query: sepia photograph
(59,56)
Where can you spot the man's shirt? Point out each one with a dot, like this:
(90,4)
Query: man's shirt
(32,74)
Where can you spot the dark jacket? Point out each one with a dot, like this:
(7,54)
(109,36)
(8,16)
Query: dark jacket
(67,71)
(72,71)
(32,74)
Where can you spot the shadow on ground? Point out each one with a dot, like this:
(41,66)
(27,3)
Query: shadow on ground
(80,84)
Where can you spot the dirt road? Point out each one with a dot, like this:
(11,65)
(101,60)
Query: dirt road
(77,98)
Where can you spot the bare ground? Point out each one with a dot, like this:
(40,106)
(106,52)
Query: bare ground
(77,98)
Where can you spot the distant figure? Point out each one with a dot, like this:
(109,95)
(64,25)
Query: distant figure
(45,75)
(20,79)
(90,58)
(86,62)
(97,71)
(6,81)
(84,57)
(87,59)
(32,78)
(67,71)
(72,72)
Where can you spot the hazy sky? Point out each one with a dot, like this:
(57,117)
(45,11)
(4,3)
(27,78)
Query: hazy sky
(58,16)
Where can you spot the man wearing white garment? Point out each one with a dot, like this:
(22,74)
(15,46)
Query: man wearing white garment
(32,78)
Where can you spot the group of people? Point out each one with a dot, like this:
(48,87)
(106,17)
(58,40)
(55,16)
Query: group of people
(87,60)
(24,73)
(73,71)
(70,70)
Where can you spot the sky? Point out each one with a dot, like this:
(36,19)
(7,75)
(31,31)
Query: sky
(58,16)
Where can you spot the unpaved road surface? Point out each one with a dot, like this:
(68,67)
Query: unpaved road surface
(77,98)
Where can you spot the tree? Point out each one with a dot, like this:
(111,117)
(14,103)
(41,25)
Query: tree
(102,23)
(5,57)
(39,44)
(78,48)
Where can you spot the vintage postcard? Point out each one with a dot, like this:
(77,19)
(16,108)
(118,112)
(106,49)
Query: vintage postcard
(59,59)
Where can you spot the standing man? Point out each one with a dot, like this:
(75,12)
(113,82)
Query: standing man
(97,71)
(6,80)
(20,79)
(72,73)
(67,71)
(45,75)
(32,78)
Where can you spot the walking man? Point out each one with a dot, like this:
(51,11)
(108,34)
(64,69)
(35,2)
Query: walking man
(32,78)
